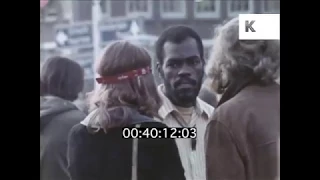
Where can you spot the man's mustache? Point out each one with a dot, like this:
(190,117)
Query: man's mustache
(185,81)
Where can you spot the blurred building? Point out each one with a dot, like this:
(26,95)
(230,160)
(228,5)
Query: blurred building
(201,15)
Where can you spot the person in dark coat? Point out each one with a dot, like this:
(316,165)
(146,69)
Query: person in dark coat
(61,80)
(127,97)
(243,136)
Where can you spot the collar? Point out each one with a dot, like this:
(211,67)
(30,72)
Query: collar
(167,107)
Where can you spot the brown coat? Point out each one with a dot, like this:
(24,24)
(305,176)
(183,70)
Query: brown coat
(242,136)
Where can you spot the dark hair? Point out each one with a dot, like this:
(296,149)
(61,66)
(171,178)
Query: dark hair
(176,34)
(116,102)
(61,77)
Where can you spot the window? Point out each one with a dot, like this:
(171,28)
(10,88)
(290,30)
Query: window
(173,8)
(207,9)
(136,8)
(271,6)
(236,7)
(50,15)
(67,10)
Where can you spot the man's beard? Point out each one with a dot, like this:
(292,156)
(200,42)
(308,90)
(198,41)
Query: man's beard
(181,97)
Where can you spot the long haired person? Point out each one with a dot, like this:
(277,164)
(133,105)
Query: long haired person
(127,97)
(242,136)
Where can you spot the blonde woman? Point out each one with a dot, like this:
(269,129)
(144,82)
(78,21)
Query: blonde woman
(242,136)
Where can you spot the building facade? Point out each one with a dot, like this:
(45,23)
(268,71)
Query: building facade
(201,15)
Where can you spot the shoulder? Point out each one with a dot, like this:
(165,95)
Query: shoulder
(240,116)
(236,105)
(249,104)
(80,139)
(62,123)
(69,118)
(72,116)
(232,113)
(75,114)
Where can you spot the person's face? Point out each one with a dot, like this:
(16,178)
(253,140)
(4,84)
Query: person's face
(182,72)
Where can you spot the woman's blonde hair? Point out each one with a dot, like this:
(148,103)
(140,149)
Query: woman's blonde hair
(115,102)
(231,57)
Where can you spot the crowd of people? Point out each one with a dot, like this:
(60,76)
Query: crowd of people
(232,99)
